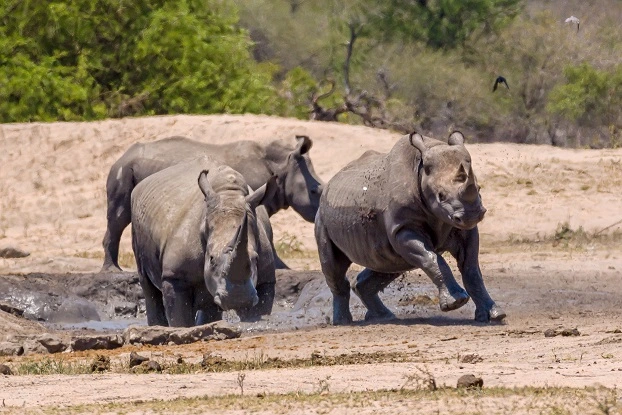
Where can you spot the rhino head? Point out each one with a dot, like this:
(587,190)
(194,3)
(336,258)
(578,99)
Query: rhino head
(301,184)
(448,185)
(230,269)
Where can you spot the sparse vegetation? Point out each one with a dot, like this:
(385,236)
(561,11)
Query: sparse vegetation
(541,401)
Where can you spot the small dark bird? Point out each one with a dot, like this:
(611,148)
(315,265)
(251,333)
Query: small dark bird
(500,80)
(573,19)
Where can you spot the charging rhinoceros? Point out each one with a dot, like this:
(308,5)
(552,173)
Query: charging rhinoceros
(399,211)
(299,186)
(201,244)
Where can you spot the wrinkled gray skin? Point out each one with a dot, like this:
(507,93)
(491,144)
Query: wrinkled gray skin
(299,185)
(201,243)
(397,212)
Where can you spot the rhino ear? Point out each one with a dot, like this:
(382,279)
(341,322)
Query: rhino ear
(456,139)
(264,194)
(303,146)
(206,186)
(416,140)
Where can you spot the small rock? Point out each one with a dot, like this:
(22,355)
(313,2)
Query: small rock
(5,370)
(136,359)
(96,342)
(147,367)
(11,349)
(561,332)
(8,308)
(211,361)
(470,382)
(471,358)
(153,366)
(100,364)
(12,252)
(52,343)
(158,335)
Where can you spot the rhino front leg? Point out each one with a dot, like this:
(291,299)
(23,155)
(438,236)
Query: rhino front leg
(466,251)
(178,302)
(266,293)
(368,284)
(416,250)
(153,302)
(334,264)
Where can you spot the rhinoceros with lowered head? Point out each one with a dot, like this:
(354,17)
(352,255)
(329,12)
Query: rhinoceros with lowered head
(298,184)
(400,211)
(200,238)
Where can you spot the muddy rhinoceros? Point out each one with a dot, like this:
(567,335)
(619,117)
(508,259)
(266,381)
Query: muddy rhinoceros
(201,246)
(299,186)
(397,212)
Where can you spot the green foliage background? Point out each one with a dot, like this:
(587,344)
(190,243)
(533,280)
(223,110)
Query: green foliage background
(429,63)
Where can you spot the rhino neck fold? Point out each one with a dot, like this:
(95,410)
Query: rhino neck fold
(277,202)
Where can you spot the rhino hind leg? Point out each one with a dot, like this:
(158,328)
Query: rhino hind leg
(368,284)
(153,303)
(266,293)
(334,264)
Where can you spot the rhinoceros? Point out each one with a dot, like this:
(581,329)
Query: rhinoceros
(200,238)
(299,185)
(397,212)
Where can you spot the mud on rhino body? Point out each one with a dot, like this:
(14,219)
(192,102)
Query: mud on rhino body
(298,184)
(201,243)
(397,212)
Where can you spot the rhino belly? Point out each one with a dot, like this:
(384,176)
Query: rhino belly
(361,236)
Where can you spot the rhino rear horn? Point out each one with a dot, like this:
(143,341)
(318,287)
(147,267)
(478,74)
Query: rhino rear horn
(264,194)
(206,186)
(416,140)
(456,138)
(303,146)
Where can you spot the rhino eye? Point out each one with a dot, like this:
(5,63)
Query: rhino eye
(442,196)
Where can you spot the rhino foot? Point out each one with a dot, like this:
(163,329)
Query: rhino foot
(110,268)
(448,301)
(385,316)
(495,313)
(341,311)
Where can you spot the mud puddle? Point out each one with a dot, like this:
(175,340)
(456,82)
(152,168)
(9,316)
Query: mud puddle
(106,302)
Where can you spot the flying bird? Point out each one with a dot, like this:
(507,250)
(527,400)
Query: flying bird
(500,80)
(573,19)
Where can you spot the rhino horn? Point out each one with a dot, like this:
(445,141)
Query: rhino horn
(456,138)
(206,187)
(239,267)
(303,146)
(264,194)
(471,189)
(416,140)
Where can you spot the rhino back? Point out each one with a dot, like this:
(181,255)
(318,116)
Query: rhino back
(352,211)
(246,157)
(167,214)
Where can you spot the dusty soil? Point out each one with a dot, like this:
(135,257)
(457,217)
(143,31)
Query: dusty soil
(550,256)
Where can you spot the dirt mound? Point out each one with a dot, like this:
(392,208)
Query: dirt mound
(53,203)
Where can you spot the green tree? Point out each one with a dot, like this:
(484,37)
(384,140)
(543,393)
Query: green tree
(590,96)
(87,59)
(443,24)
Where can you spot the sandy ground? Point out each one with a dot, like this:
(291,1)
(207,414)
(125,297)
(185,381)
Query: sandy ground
(53,205)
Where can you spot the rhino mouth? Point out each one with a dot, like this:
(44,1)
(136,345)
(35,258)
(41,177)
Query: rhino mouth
(467,219)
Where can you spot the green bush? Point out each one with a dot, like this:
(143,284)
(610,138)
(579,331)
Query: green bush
(83,59)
